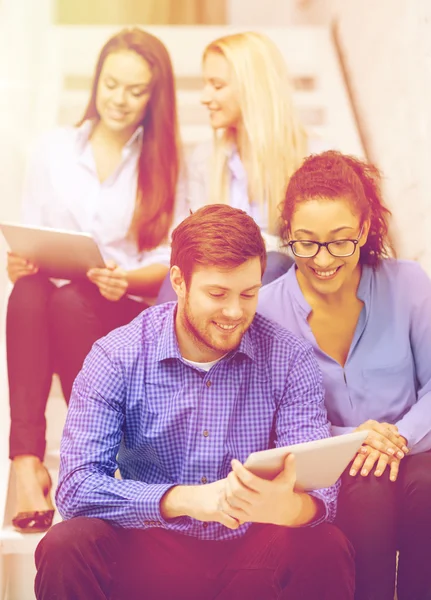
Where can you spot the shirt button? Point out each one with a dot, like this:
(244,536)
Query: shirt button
(204,525)
(206,433)
(208,383)
(204,479)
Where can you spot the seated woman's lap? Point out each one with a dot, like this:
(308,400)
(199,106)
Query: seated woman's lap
(380,517)
(59,325)
(80,315)
(389,501)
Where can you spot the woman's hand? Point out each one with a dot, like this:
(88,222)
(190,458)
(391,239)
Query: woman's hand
(18,267)
(111,281)
(384,437)
(368,458)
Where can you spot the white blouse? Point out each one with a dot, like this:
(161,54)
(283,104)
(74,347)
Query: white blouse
(62,190)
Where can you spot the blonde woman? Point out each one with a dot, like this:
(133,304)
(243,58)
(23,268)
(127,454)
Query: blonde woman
(258,140)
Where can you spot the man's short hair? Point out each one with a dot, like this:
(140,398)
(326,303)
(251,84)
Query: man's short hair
(216,235)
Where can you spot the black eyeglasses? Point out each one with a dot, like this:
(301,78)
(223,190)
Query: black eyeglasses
(337,248)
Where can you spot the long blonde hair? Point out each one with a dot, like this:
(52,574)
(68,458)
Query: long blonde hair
(276,141)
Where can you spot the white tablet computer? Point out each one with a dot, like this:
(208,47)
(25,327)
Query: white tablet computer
(318,464)
(58,253)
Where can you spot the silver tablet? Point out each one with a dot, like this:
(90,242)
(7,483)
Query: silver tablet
(318,464)
(58,253)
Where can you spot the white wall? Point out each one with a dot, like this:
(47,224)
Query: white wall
(22,26)
(386,47)
(267,13)
(387,51)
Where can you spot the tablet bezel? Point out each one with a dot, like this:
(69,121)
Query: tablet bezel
(319,463)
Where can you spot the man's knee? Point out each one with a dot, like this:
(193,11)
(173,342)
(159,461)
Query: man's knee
(318,557)
(73,539)
(327,546)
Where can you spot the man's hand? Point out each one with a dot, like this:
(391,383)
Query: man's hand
(18,267)
(385,438)
(368,458)
(249,498)
(111,281)
(201,502)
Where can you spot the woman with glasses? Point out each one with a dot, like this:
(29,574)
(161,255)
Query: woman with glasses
(368,317)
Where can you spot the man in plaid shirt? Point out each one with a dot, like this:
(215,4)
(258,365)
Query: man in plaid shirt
(177,400)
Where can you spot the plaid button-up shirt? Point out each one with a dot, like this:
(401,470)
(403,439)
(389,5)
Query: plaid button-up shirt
(137,405)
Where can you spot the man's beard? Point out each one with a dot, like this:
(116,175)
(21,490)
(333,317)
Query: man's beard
(202,336)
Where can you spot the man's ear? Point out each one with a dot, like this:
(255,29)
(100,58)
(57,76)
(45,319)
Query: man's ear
(177,281)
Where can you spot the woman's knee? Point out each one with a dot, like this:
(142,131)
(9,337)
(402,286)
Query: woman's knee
(416,484)
(30,293)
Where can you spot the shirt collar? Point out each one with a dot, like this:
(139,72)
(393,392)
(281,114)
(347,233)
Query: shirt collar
(168,343)
(84,132)
(298,297)
(234,163)
(364,288)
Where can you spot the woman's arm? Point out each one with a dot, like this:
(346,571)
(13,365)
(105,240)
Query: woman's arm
(198,174)
(146,281)
(415,425)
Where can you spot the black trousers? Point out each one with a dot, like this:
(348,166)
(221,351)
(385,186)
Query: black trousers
(380,517)
(51,330)
(89,559)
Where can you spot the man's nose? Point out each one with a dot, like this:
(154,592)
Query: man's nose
(233,309)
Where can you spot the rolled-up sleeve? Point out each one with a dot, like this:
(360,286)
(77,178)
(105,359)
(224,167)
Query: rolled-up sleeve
(415,425)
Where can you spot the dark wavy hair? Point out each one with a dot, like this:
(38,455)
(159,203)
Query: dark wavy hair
(336,175)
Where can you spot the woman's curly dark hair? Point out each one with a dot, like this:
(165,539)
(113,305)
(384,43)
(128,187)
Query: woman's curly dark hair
(335,175)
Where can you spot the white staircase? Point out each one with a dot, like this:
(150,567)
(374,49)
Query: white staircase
(64,80)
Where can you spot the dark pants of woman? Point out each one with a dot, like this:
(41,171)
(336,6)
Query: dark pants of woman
(90,559)
(380,517)
(278,264)
(51,330)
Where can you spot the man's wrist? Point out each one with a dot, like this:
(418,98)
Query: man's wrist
(175,503)
(303,510)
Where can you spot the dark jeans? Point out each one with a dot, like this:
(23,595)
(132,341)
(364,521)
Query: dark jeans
(380,517)
(90,559)
(50,330)
(278,264)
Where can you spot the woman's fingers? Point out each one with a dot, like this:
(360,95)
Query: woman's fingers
(381,465)
(370,461)
(394,469)
(357,464)
(384,433)
(381,443)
